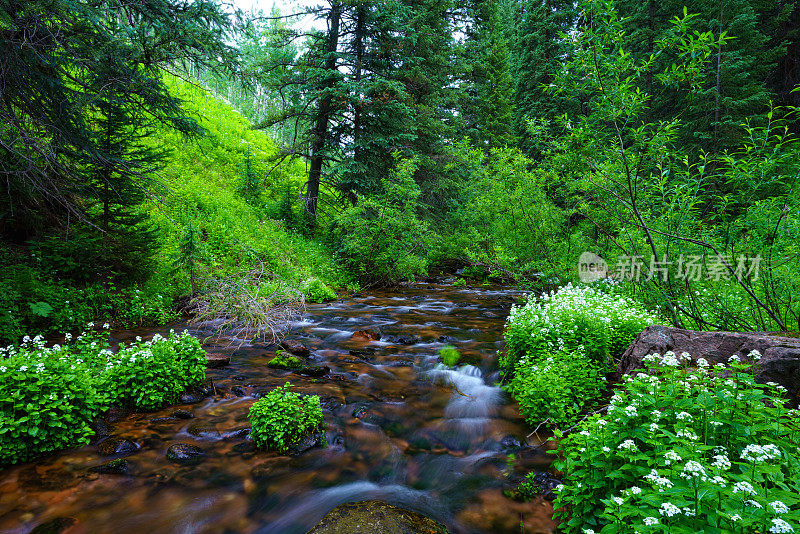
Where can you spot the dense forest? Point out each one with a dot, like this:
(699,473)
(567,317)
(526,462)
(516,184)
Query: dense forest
(627,164)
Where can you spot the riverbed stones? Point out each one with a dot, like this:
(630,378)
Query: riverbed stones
(185,454)
(120,466)
(55,526)
(117,447)
(314,371)
(295,347)
(365,335)
(779,363)
(215,360)
(375,517)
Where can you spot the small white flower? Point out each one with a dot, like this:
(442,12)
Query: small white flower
(672,456)
(733,359)
(719,481)
(3,369)
(779,525)
(90,325)
(744,487)
(721,462)
(106,326)
(754,504)
(618,500)
(588,531)
(754,355)
(736,517)
(650,521)
(684,416)
(627,445)
(636,490)
(668,509)
(702,362)
(779,507)
(23,368)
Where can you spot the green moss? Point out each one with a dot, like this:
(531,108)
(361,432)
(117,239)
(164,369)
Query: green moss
(449,355)
(284,360)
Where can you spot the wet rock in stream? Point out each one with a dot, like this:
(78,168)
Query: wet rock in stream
(55,526)
(117,447)
(120,466)
(314,371)
(295,347)
(375,517)
(185,454)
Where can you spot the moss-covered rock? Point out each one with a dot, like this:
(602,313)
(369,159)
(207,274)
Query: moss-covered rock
(375,517)
(284,360)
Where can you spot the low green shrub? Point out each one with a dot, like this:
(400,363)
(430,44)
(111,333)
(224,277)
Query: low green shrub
(684,448)
(49,396)
(282,418)
(571,319)
(556,388)
(48,400)
(284,360)
(150,374)
(315,290)
(449,355)
(459,282)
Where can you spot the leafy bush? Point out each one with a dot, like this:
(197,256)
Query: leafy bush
(574,318)
(556,388)
(48,400)
(282,418)
(685,450)
(49,396)
(382,239)
(449,355)
(150,374)
(315,290)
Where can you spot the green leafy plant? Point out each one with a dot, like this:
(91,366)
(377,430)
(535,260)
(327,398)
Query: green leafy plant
(556,388)
(449,355)
(315,290)
(684,448)
(282,418)
(459,282)
(49,396)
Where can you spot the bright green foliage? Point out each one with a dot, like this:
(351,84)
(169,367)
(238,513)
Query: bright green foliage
(574,318)
(459,282)
(282,418)
(284,360)
(315,290)
(47,401)
(49,396)
(684,450)
(151,374)
(190,254)
(555,388)
(449,355)
(382,239)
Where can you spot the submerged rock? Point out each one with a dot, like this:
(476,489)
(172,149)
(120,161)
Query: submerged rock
(308,442)
(185,454)
(55,526)
(119,466)
(215,360)
(375,517)
(314,371)
(780,356)
(117,447)
(182,414)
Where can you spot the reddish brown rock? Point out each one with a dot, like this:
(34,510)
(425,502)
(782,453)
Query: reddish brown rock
(215,360)
(366,335)
(295,347)
(780,355)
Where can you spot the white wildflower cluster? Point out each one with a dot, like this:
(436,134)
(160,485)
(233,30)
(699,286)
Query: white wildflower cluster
(780,526)
(760,453)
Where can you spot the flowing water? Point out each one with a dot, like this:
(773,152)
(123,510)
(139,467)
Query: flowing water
(400,428)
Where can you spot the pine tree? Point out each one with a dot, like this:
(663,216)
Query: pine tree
(538,52)
(487,105)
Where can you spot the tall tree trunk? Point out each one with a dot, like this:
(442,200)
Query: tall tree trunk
(323,114)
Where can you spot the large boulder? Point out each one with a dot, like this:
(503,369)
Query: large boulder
(779,363)
(375,517)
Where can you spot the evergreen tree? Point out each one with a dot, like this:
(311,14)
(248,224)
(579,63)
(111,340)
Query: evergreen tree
(487,105)
(77,101)
(538,52)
